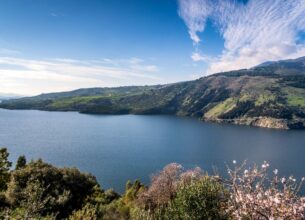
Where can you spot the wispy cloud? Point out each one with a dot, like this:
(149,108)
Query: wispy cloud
(29,76)
(197,56)
(5,51)
(195,14)
(253,32)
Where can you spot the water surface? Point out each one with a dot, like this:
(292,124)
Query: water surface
(118,148)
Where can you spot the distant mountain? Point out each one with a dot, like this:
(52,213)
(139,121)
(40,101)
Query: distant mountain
(269,95)
(292,66)
(267,63)
(6,96)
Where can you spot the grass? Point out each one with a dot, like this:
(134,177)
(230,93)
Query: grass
(221,108)
(264,98)
(295,96)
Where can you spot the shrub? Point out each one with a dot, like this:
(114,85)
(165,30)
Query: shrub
(88,212)
(155,199)
(132,191)
(43,189)
(201,199)
(163,187)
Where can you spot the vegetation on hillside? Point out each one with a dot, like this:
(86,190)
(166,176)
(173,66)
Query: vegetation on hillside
(37,190)
(269,95)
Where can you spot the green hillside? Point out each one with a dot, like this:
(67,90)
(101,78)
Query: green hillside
(269,95)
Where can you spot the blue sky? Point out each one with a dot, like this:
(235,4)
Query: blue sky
(56,45)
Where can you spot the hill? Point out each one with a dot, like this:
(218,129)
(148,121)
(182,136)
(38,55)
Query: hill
(269,95)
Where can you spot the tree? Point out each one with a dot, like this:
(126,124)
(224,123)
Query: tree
(4,168)
(163,187)
(46,190)
(21,162)
(255,193)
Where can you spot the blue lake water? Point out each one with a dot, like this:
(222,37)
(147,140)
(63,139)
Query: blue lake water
(118,148)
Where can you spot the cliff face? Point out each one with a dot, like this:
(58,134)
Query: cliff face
(271,123)
(271,96)
(263,122)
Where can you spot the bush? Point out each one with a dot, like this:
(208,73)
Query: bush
(163,189)
(88,212)
(201,199)
(42,189)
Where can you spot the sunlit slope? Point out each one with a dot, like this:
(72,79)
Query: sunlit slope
(269,95)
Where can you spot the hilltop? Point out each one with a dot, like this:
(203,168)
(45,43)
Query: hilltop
(269,95)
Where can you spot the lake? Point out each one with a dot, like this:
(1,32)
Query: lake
(118,148)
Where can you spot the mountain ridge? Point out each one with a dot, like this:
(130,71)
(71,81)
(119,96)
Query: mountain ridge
(270,95)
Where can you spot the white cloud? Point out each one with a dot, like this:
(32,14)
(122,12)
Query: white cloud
(194,13)
(254,32)
(197,56)
(29,76)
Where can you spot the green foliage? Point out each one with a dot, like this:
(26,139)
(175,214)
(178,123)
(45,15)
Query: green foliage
(121,208)
(201,199)
(21,213)
(4,168)
(132,191)
(221,108)
(88,212)
(45,189)
(265,98)
(21,162)
(116,210)
(241,109)
(37,200)
(295,96)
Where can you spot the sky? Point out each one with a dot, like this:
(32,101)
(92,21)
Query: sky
(60,45)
